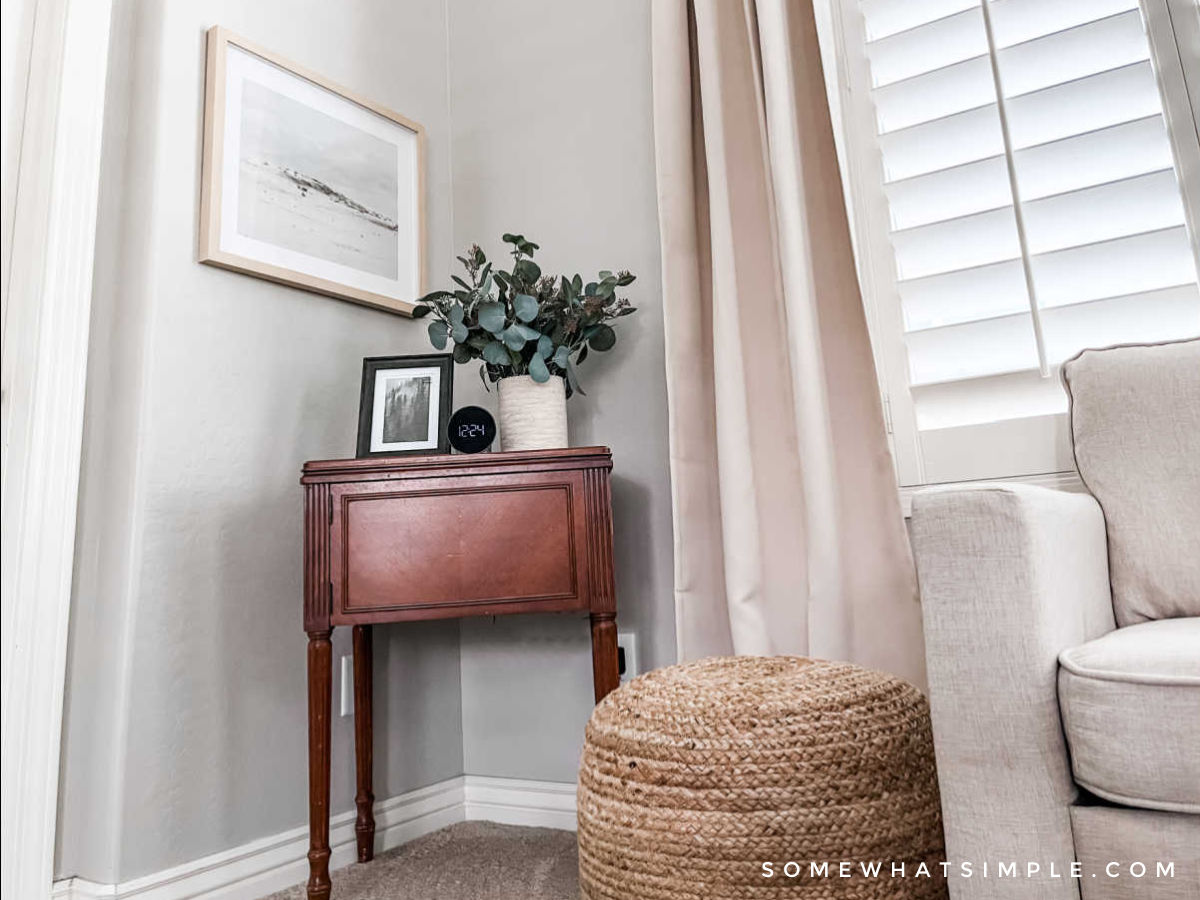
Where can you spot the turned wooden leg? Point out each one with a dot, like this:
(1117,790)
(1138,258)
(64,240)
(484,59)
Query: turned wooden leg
(364,827)
(320,697)
(605,675)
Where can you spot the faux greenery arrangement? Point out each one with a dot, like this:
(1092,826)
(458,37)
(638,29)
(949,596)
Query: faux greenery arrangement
(522,322)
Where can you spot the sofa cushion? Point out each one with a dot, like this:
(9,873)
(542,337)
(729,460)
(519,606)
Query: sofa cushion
(1130,704)
(1135,424)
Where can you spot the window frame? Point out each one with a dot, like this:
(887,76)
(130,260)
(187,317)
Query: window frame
(849,87)
(1170,31)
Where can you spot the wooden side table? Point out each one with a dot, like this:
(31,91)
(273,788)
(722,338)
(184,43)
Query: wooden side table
(399,539)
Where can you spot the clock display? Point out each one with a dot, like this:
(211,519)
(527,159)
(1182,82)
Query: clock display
(472,429)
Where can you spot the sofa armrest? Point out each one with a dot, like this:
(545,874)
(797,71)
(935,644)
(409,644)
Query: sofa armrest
(1010,576)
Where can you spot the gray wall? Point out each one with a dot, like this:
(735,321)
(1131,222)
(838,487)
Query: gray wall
(551,113)
(184,733)
(185,724)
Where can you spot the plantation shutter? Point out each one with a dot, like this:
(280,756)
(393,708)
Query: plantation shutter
(1024,229)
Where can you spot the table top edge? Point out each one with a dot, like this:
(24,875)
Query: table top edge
(577,455)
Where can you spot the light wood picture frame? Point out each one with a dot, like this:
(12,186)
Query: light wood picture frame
(308,184)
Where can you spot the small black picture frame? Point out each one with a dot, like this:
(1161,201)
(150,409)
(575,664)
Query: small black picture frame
(404,405)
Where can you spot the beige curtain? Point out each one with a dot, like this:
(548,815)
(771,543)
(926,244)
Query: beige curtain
(788,532)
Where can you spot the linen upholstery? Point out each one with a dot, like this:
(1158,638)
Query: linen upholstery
(1106,833)
(1135,423)
(1010,575)
(788,532)
(1130,705)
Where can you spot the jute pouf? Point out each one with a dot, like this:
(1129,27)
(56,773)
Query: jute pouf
(694,776)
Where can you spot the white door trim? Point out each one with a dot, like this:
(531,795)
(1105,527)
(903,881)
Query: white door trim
(54,116)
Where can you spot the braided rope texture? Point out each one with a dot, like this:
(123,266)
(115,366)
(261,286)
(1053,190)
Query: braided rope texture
(694,775)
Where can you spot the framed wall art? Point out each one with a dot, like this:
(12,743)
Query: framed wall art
(308,184)
(404,407)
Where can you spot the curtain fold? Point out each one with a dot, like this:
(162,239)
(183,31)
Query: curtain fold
(788,532)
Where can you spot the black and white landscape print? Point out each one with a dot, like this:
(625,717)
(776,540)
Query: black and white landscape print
(314,184)
(406,408)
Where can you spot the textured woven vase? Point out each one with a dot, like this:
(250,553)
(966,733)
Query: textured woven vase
(532,416)
(695,775)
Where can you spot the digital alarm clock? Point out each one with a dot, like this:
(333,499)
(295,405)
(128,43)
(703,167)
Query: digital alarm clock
(471,430)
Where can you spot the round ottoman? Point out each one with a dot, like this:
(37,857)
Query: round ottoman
(738,777)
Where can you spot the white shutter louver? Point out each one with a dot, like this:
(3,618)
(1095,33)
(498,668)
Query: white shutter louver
(1097,226)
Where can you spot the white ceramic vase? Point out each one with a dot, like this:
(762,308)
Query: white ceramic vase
(532,416)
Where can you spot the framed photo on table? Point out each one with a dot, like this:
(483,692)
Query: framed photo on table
(308,184)
(404,407)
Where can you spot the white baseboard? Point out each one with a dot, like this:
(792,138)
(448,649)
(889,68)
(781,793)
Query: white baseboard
(271,864)
(547,804)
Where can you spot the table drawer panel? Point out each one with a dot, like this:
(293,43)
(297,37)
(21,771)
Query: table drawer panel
(454,546)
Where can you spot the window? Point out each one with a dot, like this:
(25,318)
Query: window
(1015,200)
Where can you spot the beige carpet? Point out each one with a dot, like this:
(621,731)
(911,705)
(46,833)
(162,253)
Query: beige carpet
(468,861)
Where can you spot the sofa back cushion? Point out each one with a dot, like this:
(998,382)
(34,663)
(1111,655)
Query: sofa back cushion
(1135,423)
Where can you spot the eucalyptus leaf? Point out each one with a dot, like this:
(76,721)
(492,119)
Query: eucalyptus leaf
(573,380)
(537,369)
(602,338)
(525,331)
(460,283)
(462,354)
(491,316)
(562,356)
(438,332)
(420,310)
(526,307)
(496,353)
(545,346)
(460,333)
(527,270)
(583,352)
(456,315)
(513,339)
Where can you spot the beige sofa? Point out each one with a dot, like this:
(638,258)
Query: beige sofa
(1063,645)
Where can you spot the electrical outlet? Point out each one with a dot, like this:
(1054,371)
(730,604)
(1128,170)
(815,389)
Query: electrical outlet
(627,655)
(347,685)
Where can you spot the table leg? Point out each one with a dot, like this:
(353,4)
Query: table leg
(605,675)
(364,828)
(320,701)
